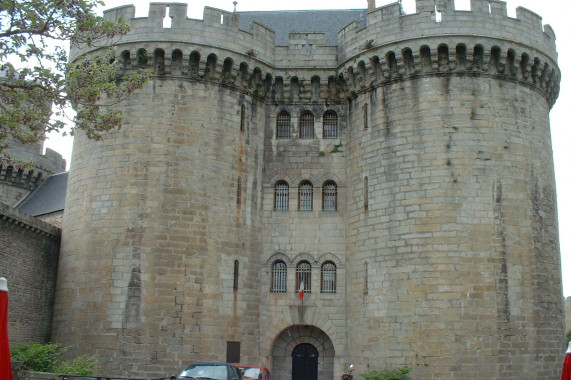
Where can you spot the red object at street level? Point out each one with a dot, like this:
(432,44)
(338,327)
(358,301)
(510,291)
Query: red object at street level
(5,365)
(566,374)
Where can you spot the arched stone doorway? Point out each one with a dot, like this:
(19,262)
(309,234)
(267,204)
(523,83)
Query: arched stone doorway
(305,349)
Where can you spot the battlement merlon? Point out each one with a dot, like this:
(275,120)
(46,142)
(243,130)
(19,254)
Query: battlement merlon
(433,18)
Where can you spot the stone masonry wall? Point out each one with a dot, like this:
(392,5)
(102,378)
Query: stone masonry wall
(459,234)
(29,252)
(445,235)
(156,238)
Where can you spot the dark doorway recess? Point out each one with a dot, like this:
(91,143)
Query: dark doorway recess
(304,362)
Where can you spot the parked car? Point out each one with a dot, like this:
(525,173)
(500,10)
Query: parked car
(213,371)
(250,372)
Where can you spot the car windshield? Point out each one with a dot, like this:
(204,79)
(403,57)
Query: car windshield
(251,373)
(218,372)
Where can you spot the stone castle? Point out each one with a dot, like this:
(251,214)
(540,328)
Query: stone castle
(398,165)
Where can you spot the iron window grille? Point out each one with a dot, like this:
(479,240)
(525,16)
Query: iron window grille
(283,125)
(281,202)
(303,272)
(306,129)
(279,277)
(330,125)
(328,278)
(305,196)
(329,196)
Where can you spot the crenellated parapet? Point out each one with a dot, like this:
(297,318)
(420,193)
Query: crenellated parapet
(389,25)
(387,46)
(218,29)
(439,40)
(26,178)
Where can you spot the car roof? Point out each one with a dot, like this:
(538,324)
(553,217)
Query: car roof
(249,366)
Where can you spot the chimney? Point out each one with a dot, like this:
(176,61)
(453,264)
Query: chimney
(371,5)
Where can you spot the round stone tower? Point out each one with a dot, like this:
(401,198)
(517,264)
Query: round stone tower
(17,182)
(450,171)
(162,220)
(401,167)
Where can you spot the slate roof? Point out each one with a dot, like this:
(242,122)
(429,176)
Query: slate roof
(320,21)
(47,198)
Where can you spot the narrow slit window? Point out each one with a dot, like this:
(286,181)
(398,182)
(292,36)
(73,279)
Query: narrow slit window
(366,193)
(239,191)
(236,269)
(365,116)
(242,117)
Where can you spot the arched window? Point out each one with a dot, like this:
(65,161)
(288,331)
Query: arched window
(305,198)
(306,125)
(303,272)
(210,68)
(281,196)
(328,277)
(283,125)
(329,196)
(194,62)
(125,60)
(159,57)
(176,59)
(330,127)
(279,276)
(142,58)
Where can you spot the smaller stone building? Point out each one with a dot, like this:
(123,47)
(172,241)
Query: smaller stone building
(29,252)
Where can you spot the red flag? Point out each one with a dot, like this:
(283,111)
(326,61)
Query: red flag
(301,290)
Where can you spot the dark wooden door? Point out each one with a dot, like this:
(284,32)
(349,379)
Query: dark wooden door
(304,362)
